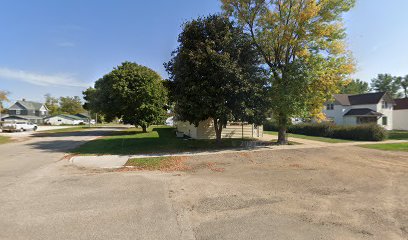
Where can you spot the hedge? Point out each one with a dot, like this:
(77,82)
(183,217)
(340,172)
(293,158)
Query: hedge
(270,125)
(366,132)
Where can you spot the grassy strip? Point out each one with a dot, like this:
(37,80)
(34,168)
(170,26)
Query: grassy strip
(158,140)
(402,147)
(319,139)
(64,130)
(398,135)
(154,163)
(4,139)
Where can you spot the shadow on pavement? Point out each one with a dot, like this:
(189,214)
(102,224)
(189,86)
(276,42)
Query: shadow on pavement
(57,145)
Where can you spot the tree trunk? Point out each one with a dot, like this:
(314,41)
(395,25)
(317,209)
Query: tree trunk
(282,136)
(144,129)
(218,130)
(283,125)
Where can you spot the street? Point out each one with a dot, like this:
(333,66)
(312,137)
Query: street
(327,193)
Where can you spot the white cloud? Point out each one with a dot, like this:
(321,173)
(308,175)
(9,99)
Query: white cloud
(66,44)
(40,79)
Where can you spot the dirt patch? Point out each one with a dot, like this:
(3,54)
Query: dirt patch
(324,193)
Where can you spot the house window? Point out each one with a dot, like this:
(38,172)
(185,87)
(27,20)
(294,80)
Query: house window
(384,121)
(330,106)
(18,112)
(384,105)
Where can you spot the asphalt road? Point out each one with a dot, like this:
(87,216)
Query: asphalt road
(43,197)
(331,192)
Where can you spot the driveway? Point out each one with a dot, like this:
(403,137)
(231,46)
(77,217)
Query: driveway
(323,193)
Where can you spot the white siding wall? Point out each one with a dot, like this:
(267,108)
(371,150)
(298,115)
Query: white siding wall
(60,121)
(400,119)
(388,113)
(337,113)
(187,128)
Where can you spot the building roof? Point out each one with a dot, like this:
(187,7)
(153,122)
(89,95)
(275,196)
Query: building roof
(24,117)
(67,116)
(401,104)
(83,115)
(29,105)
(361,99)
(362,112)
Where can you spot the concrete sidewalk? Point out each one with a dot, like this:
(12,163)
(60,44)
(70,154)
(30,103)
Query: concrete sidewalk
(118,161)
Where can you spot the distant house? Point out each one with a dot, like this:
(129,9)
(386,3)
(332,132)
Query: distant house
(205,130)
(65,119)
(400,118)
(347,109)
(28,111)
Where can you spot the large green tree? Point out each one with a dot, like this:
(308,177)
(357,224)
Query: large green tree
(3,98)
(302,46)
(403,82)
(70,105)
(52,103)
(215,74)
(386,83)
(355,87)
(131,92)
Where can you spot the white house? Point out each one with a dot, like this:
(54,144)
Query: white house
(205,130)
(348,109)
(400,118)
(65,119)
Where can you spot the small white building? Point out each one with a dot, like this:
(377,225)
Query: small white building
(400,118)
(64,119)
(348,109)
(205,130)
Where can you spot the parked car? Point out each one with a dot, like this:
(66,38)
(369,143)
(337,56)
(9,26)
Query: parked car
(19,126)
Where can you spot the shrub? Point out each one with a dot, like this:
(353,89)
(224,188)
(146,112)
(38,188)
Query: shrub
(367,132)
(312,129)
(271,125)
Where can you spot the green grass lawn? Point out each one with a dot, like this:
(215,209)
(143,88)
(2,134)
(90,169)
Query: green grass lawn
(388,146)
(4,139)
(64,130)
(319,139)
(157,140)
(398,135)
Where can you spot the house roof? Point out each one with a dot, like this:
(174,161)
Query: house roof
(24,117)
(67,116)
(401,104)
(83,115)
(362,112)
(29,105)
(361,99)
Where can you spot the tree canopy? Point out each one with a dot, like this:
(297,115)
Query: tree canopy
(403,82)
(132,92)
(70,105)
(3,98)
(65,105)
(354,87)
(52,103)
(215,74)
(302,44)
(386,83)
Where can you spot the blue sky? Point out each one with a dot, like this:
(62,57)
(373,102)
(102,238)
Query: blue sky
(62,47)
